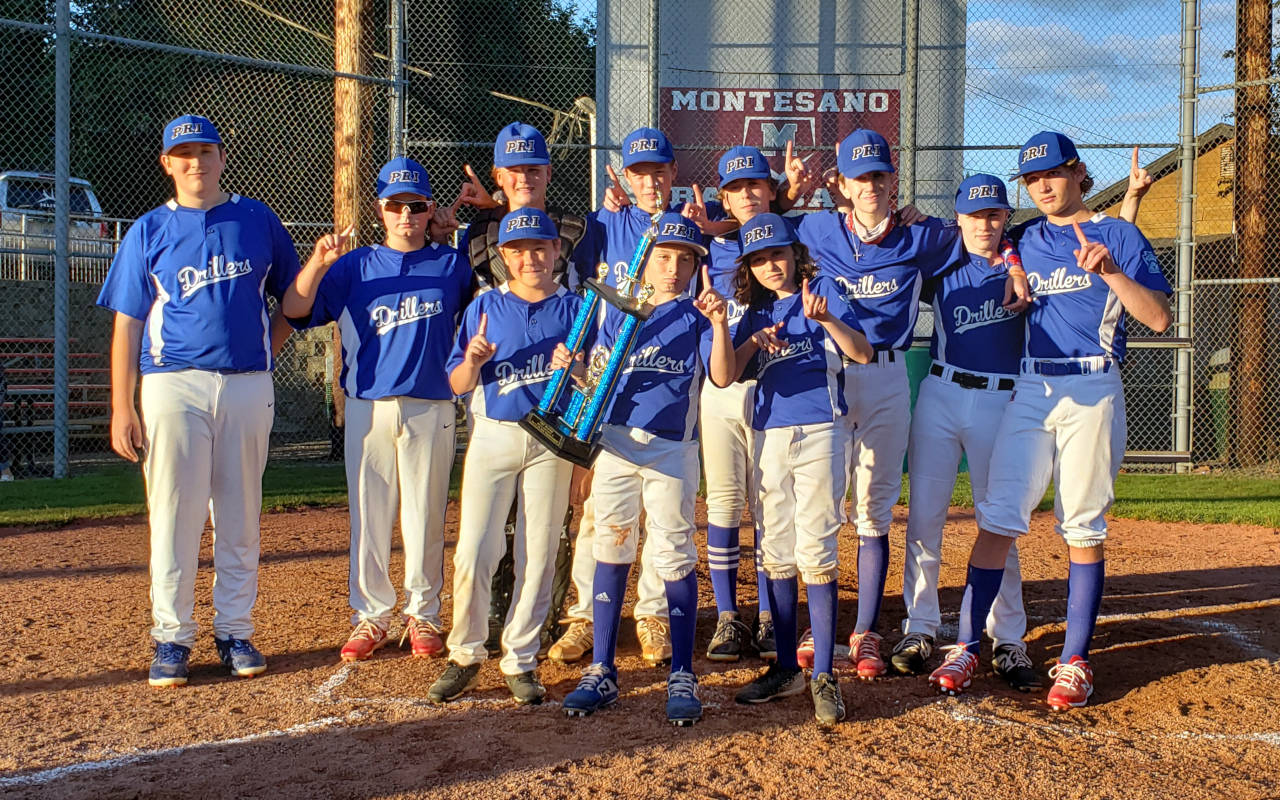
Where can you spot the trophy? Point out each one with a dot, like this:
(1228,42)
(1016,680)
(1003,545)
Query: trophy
(575,434)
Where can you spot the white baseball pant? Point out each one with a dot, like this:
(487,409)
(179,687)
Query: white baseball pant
(949,420)
(727,446)
(399,454)
(637,470)
(879,399)
(503,460)
(800,475)
(651,593)
(207,436)
(1066,428)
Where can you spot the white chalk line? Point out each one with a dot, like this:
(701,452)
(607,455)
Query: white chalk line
(138,757)
(973,716)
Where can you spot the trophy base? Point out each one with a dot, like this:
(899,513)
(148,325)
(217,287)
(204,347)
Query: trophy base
(557,441)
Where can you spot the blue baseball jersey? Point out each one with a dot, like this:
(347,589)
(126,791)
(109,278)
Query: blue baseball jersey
(397,313)
(722,266)
(526,334)
(659,386)
(621,231)
(881,281)
(199,280)
(971,329)
(1076,315)
(802,384)
(579,265)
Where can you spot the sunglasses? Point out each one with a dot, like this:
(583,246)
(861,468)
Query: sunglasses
(414,206)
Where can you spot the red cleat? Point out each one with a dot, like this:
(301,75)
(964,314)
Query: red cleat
(956,672)
(1072,685)
(424,639)
(864,653)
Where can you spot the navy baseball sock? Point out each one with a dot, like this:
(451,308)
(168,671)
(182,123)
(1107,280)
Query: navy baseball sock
(762,579)
(980,590)
(784,599)
(682,600)
(822,621)
(722,558)
(609,585)
(1084,595)
(873,568)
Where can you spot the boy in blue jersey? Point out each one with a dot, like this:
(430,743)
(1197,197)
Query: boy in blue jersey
(397,305)
(188,287)
(1066,420)
(502,358)
(797,334)
(649,462)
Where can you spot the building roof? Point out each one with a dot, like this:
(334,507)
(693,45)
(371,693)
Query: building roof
(1162,166)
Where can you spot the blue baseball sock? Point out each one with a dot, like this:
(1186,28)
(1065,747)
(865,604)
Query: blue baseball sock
(980,590)
(609,585)
(762,579)
(1084,595)
(784,599)
(873,568)
(682,600)
(822,621)
(722,558)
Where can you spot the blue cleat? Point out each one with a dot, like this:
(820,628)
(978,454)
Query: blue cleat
(597,689)
(241,657)
(683,706)
(169,665)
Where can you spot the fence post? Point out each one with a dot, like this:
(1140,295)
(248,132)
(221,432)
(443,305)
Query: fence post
(910,76)
(397,106)
(655,66)
(1186,231)
(61,224)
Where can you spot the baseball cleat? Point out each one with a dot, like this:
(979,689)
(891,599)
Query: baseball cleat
(367,637)
(1072,685)
(169,665)
(654,634)
(730,639)
(456,681)
(597,689)
(576,642)
(864,654)
(240,656)
(1012,663)
(956,672)
(911,654)
(683,706)
(423,637)
(774,683)
(828,702)
(804,651)
(763,638)
(526,688)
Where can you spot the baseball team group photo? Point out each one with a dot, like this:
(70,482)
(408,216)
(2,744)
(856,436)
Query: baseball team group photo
(801,458)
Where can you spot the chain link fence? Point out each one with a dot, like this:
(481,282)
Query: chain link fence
(311,98)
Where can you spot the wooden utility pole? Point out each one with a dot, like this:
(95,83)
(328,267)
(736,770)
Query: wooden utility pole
(1255,231)
(348,32)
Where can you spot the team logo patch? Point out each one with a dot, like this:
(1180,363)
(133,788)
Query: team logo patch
(651,359)
(763,233)
(411,309)
(191,279)
(989,313)
(741,162)
(678,229)
(520,146)
(1059,282)
(522,222)
(403,176)
(1031,153)
(1153,263)
(864,151)
(986,190)
(511,377)
(794,349)
(867,287)
(187,129)
(643,146)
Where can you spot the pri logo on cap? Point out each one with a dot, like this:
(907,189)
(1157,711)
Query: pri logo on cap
(740,163)
(864,151)
(1038,151)
(643,146)
(404,176)
(983,191)
(521,146)
(522,222)
(757,235)
(679,229)
(186,129)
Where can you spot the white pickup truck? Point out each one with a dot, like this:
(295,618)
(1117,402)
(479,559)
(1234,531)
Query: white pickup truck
(27,232)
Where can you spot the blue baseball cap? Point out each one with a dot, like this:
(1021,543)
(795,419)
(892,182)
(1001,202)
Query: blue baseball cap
(674,228)
(861,152)
(1046,150)
(527,223)
(764,231)
(189,128)
(403,175)
(743,162)
(646,145)
(519,144)
(980,192)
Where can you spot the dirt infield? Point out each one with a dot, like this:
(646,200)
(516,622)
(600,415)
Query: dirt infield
(1187,657)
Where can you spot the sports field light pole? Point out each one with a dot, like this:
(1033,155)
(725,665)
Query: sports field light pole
(910,79)
(61,224)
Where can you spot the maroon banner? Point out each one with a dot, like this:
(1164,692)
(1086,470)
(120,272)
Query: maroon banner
(814,120)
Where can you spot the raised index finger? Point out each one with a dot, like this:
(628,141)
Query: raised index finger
(471,173)
(483,326)
(697,195)
(1080,234)
(1133,169)
(613,176)
(706,276)
(789,152)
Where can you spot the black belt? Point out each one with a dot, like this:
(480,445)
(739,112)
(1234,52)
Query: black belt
(970,381)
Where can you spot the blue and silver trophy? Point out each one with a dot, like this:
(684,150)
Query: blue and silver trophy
(575,434)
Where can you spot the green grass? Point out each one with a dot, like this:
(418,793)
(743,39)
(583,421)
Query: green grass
(117,491)
(1175,498)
